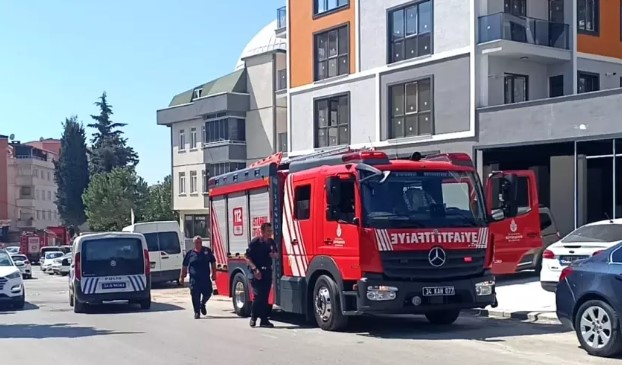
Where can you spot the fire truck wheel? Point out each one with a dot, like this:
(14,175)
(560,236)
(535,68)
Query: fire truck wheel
(240,296)
(443,317)
(327,305)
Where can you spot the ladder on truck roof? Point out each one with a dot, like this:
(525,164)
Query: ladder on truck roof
(284,162)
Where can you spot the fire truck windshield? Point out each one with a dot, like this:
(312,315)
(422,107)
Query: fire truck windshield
(423,199)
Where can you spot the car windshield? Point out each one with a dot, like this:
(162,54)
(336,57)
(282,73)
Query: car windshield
(19,258)
(423,199)
(5,259)
(53,255)
(595,233)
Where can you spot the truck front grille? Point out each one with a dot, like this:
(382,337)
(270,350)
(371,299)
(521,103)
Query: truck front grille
(414,265)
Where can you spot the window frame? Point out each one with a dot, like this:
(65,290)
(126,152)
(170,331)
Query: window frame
(509,3)
(316,124)
(204,181)
(390,24)
(588,74)
(220,124)
(181,181)
(282,144)
(193,223)
(182,140)
(316,60)
(513,77)
(319,14)
(595,20)
(403,84)
(193,138)
(194,182)
(297,190)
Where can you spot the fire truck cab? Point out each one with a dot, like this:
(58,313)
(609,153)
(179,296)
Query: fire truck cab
(362,234)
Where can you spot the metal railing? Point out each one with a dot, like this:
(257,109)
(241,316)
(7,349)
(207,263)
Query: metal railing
(281,18)
(506,26)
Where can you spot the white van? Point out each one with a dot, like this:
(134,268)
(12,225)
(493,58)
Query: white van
(164,242)
(109,267)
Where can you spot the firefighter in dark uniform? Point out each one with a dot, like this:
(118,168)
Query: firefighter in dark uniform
(198,263)
(261,250)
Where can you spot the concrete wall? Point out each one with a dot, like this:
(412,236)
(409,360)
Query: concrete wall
(260,133)
(610,73)
(362,112)
(499,66)
(451,93)
(188,201)
(187,160)
(450,28)
(202,106)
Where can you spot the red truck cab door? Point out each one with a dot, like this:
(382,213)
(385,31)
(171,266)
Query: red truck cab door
(517,240)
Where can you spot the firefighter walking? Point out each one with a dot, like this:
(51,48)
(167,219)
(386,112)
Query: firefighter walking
(198,263)
(261,250)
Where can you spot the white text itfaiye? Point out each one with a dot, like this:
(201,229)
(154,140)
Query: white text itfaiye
(433,237)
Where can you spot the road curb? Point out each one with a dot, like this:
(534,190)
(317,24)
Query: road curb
(545,317)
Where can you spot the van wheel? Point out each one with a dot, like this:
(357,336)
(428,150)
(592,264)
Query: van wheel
(444,317)
(78,306)
(327,305)
(240,296)
(146,304)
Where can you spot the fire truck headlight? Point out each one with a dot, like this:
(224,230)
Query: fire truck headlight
(484,288)
(379,293)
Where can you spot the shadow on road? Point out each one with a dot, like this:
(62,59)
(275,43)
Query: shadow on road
(517,279)
(57,330)
(116,308)
(6,309)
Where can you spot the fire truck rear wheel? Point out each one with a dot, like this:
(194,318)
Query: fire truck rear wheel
(327,305)
(240,296)
(443,317)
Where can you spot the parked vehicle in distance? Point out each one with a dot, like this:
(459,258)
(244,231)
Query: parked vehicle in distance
(57,265)
(579,244)
(107,267)
(23,264)
(47,249)
(48,260)
(589,300)
(12,289)
(164,239)
(12,250)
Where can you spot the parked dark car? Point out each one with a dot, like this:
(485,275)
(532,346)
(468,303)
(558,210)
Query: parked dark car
(589,300)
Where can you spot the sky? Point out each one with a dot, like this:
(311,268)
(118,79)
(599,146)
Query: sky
(58,56)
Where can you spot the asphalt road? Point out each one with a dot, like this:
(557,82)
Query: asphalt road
(48,331)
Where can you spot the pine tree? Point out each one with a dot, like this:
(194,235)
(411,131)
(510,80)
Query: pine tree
(109,148)
(71,173)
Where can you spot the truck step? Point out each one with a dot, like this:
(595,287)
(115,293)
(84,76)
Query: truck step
(350,293)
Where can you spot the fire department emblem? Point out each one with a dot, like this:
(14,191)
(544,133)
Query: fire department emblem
(113,263)
(513,226)
(338,230)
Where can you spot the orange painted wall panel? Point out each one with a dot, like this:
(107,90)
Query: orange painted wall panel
(608,42)
(302,27)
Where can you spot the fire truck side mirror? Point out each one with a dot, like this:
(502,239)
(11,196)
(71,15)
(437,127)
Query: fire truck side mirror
(333,191)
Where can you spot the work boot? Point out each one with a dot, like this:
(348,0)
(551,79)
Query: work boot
(203,309)
(266,324)
(253,322)
(197,316)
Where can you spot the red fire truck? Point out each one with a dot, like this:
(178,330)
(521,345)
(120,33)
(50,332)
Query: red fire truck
(362,234)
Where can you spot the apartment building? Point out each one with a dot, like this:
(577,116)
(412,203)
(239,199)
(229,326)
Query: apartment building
(27,186)
(224,124)
(516,83)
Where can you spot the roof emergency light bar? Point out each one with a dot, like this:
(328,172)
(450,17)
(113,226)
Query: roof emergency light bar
(368,157)
(458,159)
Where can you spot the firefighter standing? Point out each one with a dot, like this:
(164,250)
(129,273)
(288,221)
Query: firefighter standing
(261,250)
(197,262)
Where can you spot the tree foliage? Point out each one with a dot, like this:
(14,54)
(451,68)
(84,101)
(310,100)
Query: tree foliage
(109,148)
(159,205)
(112,196)
(71,173)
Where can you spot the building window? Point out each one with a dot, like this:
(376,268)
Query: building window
(182,140)
(204,181)
(332,53)
(196,225)
(25,192)
(193,138)
(332,121)
(182,183)
(516,88)
(203,134)
(194,181)
(282,141)
(227,129)
(588,18)
(197,93)
(411,109)
(410,30)
(516,7)
(216,169)
(325,6)
(588,82)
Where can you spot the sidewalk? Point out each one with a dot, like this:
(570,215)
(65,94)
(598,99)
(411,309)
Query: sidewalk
(521,297)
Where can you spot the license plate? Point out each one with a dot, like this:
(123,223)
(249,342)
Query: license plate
(113,285)
(566,260)
(435,291)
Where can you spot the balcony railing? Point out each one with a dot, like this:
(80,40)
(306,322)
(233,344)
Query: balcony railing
(281,18)
(505,26)
(281,81)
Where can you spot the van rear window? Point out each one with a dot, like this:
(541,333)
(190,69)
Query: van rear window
(112,256)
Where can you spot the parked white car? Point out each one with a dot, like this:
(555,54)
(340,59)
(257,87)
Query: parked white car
(579,244)
(12,289)
(57,265)
(48,260)
(23,264)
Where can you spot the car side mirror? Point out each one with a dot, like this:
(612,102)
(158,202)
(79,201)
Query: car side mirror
(65,262)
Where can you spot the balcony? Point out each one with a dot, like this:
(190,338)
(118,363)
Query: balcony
(281,80)
(509,35)
(281,21)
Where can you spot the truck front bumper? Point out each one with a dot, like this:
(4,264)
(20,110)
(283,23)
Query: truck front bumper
(377,296)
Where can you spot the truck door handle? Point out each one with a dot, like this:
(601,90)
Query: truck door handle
(532,235)
(328,241)
(294,241)
(164,257)
(162,253)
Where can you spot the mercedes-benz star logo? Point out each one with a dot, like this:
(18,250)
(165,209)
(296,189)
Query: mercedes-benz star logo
(437,256)
(113,263)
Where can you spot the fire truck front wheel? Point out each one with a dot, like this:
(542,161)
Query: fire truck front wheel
(327,305)
(240,296)
(443,317)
